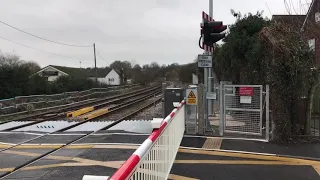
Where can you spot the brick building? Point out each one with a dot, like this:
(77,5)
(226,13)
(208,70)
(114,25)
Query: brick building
(309,23)
(312,20)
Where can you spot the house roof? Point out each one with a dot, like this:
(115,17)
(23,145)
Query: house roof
(290,19)
(118,72)
(80,72)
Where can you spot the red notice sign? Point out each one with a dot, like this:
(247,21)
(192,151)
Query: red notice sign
(246,91)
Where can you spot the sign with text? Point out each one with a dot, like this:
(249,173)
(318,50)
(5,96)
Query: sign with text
(246,91)
(191,96)
(245,99)
(211,95)
(204,61)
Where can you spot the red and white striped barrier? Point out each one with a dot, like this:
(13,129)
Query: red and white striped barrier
(155,157)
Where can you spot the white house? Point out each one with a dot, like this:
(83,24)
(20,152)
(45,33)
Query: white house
(52,73)
(112,78)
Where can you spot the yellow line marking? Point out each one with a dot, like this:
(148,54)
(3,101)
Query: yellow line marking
(115,146)
(212,143)
(177,177)
(316,168)
(32,146)
(234,162)
(79,146)
(74,146)
(21,153)
(54,166)
(250,156)
(115,164)
(6,169)
(37,146)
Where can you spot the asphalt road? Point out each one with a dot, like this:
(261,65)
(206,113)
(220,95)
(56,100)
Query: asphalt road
(104,152)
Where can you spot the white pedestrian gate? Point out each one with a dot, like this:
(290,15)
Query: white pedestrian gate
(240,111)
(245,110)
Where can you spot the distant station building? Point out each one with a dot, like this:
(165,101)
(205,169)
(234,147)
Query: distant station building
(105,76)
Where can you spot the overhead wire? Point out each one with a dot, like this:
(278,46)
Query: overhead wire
(38,49)
(294,9)
(101,56)
(306,7)
(287,6)
(74,45)
(268,8)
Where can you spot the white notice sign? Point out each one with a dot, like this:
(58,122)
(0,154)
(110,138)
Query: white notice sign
(204,61)
(245,99)
(211,95)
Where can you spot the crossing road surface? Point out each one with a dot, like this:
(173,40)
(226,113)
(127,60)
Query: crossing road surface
(105,157)
(202,164)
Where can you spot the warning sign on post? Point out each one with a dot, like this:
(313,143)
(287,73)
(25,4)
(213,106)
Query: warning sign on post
(191,96)
(246,94)
(246,91)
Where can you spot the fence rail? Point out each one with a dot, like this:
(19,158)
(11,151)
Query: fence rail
(20,104)
(155,157)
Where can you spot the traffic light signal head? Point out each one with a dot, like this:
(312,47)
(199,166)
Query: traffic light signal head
(212,32)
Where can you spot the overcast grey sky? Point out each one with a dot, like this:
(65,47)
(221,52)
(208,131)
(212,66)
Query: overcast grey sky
(164,31)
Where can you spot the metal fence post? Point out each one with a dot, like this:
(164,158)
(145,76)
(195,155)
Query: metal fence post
(201,110)
(221,103)
(267,114)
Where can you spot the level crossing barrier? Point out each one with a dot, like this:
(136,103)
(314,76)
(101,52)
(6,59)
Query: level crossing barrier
(155,157)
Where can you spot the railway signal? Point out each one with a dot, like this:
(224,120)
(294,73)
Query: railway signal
(212,32)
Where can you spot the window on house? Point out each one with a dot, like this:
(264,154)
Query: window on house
(317,17)
(312,44)
(111,79)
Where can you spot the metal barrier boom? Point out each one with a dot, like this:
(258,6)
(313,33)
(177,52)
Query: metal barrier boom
(155,157)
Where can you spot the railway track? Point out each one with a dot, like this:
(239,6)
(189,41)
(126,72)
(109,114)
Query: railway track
(59,114)
(138,100)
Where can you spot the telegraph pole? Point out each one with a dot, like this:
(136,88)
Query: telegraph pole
(95,61)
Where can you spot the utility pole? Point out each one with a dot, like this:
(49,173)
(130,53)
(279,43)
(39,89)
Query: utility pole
(95,61)
(210,70)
